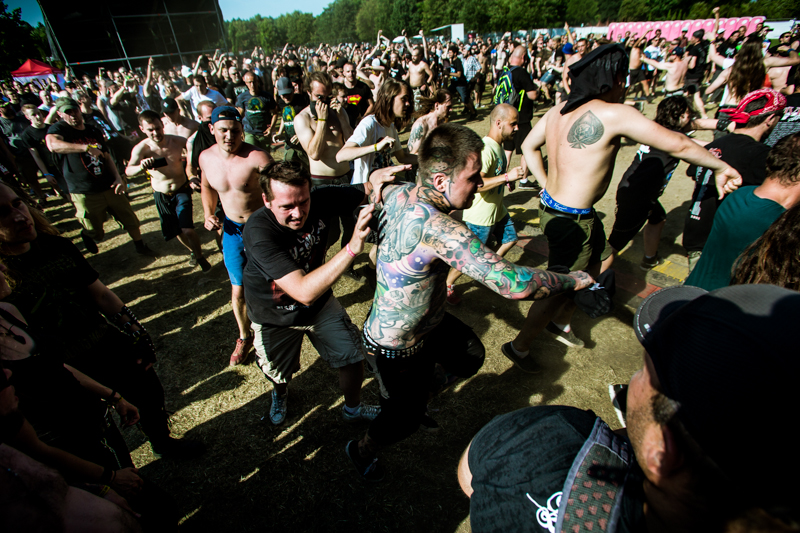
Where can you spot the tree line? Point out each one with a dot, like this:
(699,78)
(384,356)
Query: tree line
(360,20)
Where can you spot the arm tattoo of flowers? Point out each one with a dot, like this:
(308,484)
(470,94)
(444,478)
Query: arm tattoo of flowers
(585,131)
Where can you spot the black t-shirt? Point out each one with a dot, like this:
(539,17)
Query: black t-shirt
(35,138)
(85,174)
(232,91)
(522,82)
(97,120)
(457,66)
(12,128)
(789,122)
(273,251)
(357,101)
(742,152)
(51,293)
(700,51)
(649,172)
(397,72)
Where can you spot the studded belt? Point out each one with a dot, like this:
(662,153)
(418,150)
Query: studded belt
(376,349)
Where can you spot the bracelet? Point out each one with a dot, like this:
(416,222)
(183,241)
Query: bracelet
(104,490)
(321,119)
(506,177)
(349,251)
(376,147)
(47,175)
(112,399)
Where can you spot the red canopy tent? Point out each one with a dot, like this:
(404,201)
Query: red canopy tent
(33,69)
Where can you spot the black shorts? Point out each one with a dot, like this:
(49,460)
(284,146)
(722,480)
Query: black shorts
(635,206)
(516,143)
(649,75)
(174,211)
(692,85)
(636,76)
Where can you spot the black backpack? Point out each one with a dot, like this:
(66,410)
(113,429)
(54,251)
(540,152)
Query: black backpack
(504,92)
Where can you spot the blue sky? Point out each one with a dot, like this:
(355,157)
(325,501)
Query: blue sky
(243,9)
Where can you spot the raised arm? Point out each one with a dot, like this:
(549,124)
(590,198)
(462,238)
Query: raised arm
(714,57)
(777,61)
(660,65)
(716,21)
(461,249)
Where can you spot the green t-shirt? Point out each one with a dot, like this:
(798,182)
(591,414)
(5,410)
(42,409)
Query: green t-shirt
(487,208)
(742,218)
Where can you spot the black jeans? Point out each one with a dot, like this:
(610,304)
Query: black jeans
(409,380)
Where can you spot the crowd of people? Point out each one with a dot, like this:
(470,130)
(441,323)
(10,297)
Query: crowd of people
(348,182)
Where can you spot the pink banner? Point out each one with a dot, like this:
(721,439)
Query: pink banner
(672,29)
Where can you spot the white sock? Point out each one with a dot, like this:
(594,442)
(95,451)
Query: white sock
(518,353)
(352,410)
(566,328)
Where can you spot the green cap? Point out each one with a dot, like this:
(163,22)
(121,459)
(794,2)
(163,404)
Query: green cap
(65,103)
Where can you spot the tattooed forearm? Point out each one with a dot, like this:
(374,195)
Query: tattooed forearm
(585,131)
(416,135)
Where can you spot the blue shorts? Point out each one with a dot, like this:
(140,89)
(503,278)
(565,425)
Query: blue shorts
(233,250)
(503,231)
(174,211)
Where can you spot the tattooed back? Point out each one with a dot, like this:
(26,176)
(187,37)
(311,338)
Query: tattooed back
(581,147)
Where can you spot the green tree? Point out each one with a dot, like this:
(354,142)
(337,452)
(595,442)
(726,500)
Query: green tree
(336,22)
(582,12)
(405,16)
(17,41)
(435,13)
(633,10)
(608,10)
(367,20)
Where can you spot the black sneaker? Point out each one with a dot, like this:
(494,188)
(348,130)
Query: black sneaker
(369,469)
(526,364)
(89,243)
(204,264)
(143,249)
(172,448)
(619,399)
(528,184)
(355,276)
(428,424)
(650,262)
(564,337)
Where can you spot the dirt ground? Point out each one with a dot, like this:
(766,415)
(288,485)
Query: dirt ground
(256,477)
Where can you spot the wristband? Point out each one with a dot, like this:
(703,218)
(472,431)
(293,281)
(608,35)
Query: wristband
(104,490)
(321,119)
(47,175)
(506,177)
(349,251)
(376,147)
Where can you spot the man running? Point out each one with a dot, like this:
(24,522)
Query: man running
(407,332)
(588,128)
(160,156)
(230,171)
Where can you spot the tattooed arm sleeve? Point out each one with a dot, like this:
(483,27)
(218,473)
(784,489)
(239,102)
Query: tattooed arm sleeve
(462,250)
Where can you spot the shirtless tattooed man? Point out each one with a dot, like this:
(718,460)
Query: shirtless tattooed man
(416,347)
(160,156)
(431,112)
(587,128)
(230,172)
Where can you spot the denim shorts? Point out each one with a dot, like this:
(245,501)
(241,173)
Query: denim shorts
(503,231)
(233,250)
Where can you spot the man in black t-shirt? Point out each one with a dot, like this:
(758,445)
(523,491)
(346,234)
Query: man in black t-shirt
(528,94)
(32,139)
(359,96)
(287,283)
(697,53)
(396,69)
(94,183)
(458,82)
(755,117)
(236,85)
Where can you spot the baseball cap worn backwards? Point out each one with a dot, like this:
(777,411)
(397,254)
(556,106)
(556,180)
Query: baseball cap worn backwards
(730,358)
(225,113)
(169,105)
(775,101)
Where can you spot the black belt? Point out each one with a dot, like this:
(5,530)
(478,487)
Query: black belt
(561,214)
(376,349)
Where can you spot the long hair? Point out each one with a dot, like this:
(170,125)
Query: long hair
(748,72)
(384,104)
(774,258)
(427,104)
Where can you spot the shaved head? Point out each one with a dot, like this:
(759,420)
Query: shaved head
(517,56)
(502,112)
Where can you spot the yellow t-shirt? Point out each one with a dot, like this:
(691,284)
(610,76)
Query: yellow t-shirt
(488,208)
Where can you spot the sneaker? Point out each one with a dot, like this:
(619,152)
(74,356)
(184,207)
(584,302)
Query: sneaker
(172,448)
(369,469)
(242,351)
(650,262)
(277,411)
(528,184)
(365,412)
(89,243)
(564,337)
(355,276)
(428,424)
(693,258)
(639,106)
(192,260)
(452,297)
(619,399)
(526,364)
(205,266)
(143,249)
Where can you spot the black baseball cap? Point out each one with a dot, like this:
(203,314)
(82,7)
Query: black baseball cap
(169,105)
(225,112)
(730,358)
